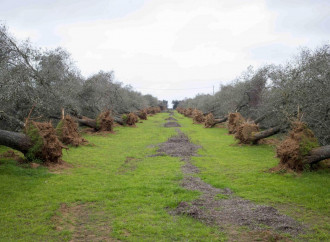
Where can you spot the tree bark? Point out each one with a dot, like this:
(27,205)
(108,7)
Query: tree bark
(221,120)
(87,122)
(264,134)
(14,140)
(318,154)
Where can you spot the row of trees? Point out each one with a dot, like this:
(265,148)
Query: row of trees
(276,94)
(49,81)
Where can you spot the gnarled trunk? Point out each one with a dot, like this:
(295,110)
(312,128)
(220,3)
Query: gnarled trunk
(14,140)
(317,154)
(264,134)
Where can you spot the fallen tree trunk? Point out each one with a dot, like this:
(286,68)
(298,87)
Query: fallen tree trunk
(14,140)
(219,121)
(264,134)
(87,122)
(11,122)
(317,154)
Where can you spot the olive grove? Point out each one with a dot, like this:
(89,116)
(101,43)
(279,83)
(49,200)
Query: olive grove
(275,95)
(48,80)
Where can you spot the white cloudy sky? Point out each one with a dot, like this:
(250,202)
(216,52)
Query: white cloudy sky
(171,48)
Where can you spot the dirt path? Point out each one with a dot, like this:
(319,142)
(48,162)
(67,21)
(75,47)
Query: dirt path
(221,207)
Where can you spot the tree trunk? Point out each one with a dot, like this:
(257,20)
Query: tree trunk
(87,122)
(264,134)
(119,120)
(14,140)
(318,154)
(13,123)
(219,121)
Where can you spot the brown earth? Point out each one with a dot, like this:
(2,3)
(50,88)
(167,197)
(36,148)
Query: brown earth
(171,124)
(69,133)
(234,121)
(293,149)
(245,132)
(209,121)
(51,150)
(171,118)
(104,122)
(221,207)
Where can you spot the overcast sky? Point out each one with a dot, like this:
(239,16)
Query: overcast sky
(171,48)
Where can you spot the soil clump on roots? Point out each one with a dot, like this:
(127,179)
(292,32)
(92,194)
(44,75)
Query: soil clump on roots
(209,121)
(47,147)
(67,131)
(171,124)
(221,207)
(104,122)
(299,143)
(234,121)
(245,132)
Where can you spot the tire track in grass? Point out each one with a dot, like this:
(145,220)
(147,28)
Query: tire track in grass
(221,207)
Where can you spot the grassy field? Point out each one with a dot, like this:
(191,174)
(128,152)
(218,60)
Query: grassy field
(115,190)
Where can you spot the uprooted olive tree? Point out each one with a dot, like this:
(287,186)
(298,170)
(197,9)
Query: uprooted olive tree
(67,132)
(39,141)
(301,148)
(103,122)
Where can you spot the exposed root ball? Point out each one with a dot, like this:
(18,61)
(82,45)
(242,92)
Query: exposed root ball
(292,150)
(153,110)
(180,110)
(245,132)
(209,121)
(131,119)
(104,122)
(67,131)
(142,114)
(198,116)
(234,121)
(46,146)
(188,112)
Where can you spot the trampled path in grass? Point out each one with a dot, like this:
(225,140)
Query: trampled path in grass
(116,189)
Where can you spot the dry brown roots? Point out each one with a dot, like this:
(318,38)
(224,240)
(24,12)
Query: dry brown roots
(132,119)
(142,114)
(246,131)
(198,116)
(68,132)
(50,150)
(209,121)
(104,122)
(188,112)
(153,110)
(297,145)
(234,121)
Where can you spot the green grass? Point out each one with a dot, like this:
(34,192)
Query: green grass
(132,193)
(134,202)
(244,169)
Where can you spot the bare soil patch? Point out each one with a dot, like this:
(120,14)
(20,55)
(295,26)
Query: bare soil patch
(221,207)
(171,124)
(84,222)
(171,118)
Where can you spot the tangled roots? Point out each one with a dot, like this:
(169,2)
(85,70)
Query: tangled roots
(188,112)
(234,121)
(46,146)
(142,114)
(131,119)
(198,116)
(209,121)
(67,131)
(245,132)
(104,122)
(299,143)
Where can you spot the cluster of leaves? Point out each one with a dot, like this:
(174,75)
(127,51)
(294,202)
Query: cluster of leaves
(49,80)
(278,93)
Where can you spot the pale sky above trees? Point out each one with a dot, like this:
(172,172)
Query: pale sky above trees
(174,48)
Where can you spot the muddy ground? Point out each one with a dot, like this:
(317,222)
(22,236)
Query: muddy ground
(221,207)
(171,124)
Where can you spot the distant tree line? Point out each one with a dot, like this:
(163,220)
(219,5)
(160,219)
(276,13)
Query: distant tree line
(49,81)
(277,94)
